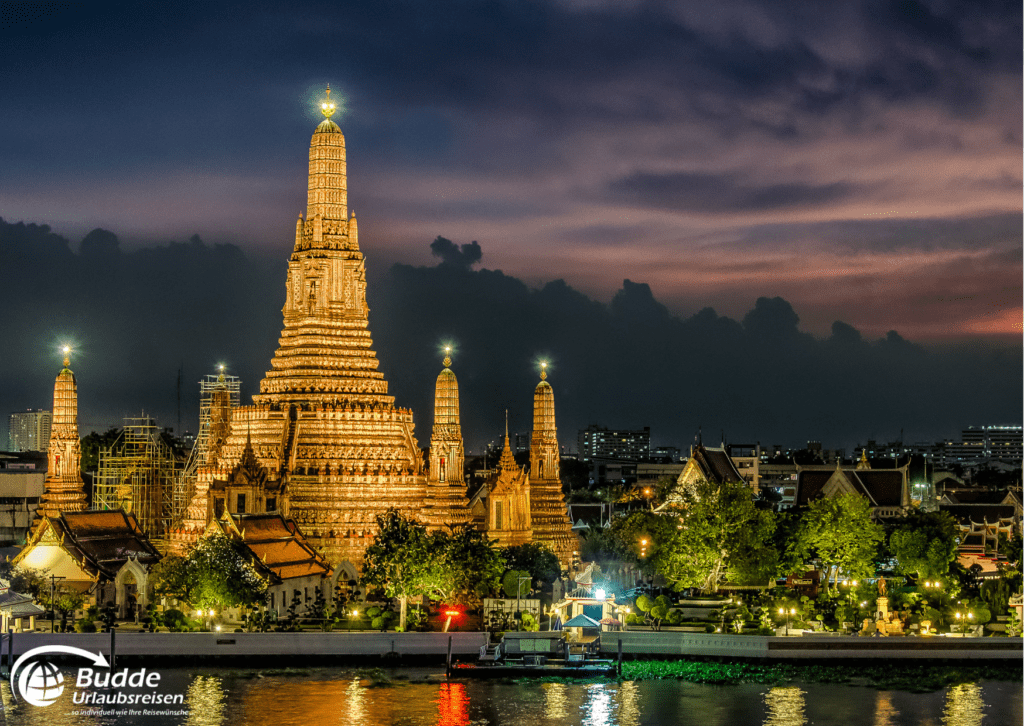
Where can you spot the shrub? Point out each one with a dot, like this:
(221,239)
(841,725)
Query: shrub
(174,620)
(85,625)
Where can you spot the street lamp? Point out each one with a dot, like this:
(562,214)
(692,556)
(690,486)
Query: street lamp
(789,614)
(54,578)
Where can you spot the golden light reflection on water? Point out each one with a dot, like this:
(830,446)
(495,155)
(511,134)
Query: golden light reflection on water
(885,712)
(785,706)
(964,706)
(205,699)
(628,700)
(356,700)
(452,705)
(597,710)
(555,701)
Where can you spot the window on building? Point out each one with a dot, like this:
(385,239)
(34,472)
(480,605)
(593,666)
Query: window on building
(271,504)
(241,504)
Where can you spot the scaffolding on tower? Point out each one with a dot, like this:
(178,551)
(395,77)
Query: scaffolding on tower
(137,473)
(217,394)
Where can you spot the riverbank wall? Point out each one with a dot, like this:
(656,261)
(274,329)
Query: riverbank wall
(822,647)
(374,648)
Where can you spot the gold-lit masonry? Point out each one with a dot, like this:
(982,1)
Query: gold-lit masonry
(336,449)
(64,490)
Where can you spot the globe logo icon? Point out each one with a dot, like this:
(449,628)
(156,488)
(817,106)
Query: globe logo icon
(41,683)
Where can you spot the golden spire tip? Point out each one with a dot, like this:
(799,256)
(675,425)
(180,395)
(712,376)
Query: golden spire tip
(67,356)
(328,106)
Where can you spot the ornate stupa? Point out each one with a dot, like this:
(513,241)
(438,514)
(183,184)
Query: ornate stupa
(446,486)
(64,490)
(333,442)
(509,519)
(550,519)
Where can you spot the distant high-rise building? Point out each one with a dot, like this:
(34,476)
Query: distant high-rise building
(597,442)
(982,444)
(30,430)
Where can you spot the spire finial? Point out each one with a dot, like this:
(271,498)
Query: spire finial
(543,370)
(67,356)
(447,356)
(328,106)
(506,424)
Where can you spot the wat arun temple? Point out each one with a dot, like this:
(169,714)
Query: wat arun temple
(323,442)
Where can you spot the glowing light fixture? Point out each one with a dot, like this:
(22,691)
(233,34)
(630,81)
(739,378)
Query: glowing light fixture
(600,594)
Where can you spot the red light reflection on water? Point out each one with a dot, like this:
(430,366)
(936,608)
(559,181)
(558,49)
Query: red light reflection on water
(452,705)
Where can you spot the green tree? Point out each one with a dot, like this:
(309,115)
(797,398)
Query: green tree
(924,544)
(217,572)
(640,537)
(399,560)
(838,531)
(25,580)
(535,558)
(516,581)
(718,530)
(463,566)
(65,601)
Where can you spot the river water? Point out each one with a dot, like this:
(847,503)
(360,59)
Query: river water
(421,697)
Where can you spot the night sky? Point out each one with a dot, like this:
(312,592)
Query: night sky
(780,186)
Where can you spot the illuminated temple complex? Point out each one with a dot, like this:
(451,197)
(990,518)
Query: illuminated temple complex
(322,442)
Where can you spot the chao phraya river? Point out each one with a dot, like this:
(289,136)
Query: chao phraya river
(421,697)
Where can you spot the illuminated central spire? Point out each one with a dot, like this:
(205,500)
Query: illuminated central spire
(327,196)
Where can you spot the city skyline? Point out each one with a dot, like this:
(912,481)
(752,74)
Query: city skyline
(827,215)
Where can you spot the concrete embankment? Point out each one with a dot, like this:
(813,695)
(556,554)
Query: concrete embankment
(717,645)
(263,649)
(269,649)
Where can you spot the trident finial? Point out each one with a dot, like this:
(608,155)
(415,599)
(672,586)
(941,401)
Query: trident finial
(447,356)
(67,356)
(328,107)
(543,370)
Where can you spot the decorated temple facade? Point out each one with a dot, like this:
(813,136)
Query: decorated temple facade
(323,424)
(324,445)
(64,490)
(509,515)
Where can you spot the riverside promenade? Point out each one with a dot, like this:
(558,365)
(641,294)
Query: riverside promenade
(267,649)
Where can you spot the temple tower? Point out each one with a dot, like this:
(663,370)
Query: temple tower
(508,502)
(446,486)
(64,488)
(550,519)
(323,423)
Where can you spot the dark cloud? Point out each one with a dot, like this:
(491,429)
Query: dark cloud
(703,192)
(452,254)
(136,318)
